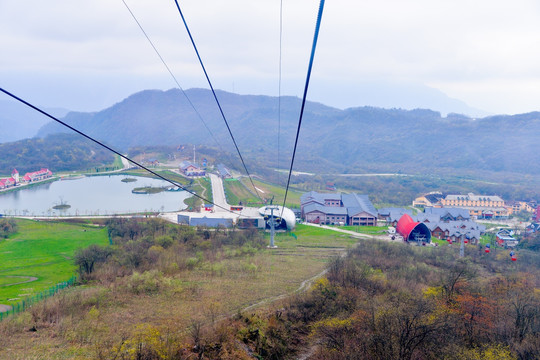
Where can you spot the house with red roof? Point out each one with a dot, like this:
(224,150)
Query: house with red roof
(37,175)
(191,169)
(7,183)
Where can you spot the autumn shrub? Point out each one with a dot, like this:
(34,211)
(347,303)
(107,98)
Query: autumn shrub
(148,282)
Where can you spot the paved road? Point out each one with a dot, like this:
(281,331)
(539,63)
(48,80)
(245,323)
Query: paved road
(218,193)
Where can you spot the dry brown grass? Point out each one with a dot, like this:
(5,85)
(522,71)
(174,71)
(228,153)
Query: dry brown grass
(98,321)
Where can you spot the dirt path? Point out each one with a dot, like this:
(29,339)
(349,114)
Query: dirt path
(4,308)
(304,286)
(30,279)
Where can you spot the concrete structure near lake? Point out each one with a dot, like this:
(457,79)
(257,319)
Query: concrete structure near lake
(206,221)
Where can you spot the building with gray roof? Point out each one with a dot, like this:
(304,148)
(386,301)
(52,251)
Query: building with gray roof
(332,208)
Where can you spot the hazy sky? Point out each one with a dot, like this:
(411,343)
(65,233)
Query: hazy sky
(87,55)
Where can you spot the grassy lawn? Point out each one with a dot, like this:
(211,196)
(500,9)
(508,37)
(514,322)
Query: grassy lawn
(236,192)
(370,230)
(117,163)
(492,225)
(43,250)
(267,191)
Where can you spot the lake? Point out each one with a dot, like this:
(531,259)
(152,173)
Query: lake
(94,195)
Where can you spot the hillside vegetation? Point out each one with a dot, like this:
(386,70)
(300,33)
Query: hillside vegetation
(165,291)
(390,301)
(352,140)
(161,287)
(59,152)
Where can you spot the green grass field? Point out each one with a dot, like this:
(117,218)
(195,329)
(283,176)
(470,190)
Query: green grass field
(43,250)
(237,192)
(370,230)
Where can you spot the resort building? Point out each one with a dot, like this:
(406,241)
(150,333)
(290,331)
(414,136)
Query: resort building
(15,179)
(479,206)
(39,175)
(338,209)
(190,169)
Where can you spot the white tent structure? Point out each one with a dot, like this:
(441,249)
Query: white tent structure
(284,217)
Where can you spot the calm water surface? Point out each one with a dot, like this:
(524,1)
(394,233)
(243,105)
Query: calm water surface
(94,195)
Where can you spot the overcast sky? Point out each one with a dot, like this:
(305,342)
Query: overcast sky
(87,55)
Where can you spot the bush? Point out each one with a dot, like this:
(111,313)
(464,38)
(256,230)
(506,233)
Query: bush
(7,227)
(87,258)
(148,282)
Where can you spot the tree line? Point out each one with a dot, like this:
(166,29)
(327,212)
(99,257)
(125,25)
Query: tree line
(59,152)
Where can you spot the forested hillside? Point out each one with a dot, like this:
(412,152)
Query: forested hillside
(354,140)
(60,152)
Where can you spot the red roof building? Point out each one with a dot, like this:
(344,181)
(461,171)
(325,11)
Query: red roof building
(37,175)
(413,231)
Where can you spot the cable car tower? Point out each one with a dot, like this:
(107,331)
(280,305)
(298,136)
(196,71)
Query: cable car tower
(272,208)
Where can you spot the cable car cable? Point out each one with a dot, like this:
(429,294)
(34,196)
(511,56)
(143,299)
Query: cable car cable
(216,99)
(279,83)
(172,75)
(114,151)
(313,47)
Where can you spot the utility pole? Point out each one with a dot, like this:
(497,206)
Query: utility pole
(272,225)
(193,154)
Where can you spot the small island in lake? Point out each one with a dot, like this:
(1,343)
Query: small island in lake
(147,190)
(128,180)
(62,206)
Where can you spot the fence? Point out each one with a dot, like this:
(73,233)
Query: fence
(27,303)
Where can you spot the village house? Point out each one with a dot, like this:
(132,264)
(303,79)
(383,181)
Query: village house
(505,238)
(449,224)
(339,209)
(223,171)
(392,215)
(190,169)
(15,180)
(11,181)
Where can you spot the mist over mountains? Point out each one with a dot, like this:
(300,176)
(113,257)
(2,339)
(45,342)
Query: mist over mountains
(354,139)
(18,121)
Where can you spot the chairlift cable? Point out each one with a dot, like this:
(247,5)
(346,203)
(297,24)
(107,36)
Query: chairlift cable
(313,47)
(171,73)
(279,83)
(216,99)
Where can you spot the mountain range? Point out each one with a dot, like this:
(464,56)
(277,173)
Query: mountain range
(352,140)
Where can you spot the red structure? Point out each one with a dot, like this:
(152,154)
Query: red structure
(412,230)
